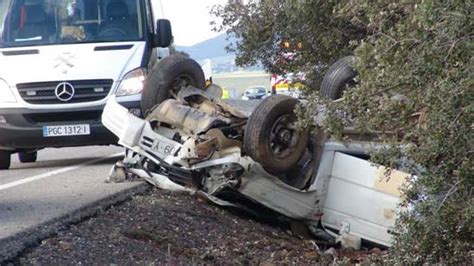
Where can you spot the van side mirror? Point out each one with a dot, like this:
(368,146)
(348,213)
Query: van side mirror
(164,35)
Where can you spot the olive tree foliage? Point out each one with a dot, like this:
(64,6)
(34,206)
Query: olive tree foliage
(416,82)
(415,87)
(259,27)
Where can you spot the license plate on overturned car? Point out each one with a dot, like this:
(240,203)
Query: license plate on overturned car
(157,144)
(66,130)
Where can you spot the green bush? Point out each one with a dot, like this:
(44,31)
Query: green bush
(415,66)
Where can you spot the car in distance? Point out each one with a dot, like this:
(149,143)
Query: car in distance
(255,93)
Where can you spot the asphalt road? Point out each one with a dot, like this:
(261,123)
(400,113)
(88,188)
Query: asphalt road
(60,183)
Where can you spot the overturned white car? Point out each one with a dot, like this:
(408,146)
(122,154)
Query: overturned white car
(192,140)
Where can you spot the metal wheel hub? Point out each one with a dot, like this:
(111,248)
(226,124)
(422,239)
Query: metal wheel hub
(284,136)
(180,82)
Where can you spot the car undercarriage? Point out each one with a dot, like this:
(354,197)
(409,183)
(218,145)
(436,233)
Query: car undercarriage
(193,141)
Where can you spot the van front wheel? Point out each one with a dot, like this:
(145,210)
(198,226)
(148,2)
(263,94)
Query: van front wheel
(28,157)
(5,160)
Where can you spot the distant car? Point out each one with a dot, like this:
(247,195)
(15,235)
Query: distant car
(255,93)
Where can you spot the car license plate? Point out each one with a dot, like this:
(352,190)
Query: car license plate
(66,130)
(163,148)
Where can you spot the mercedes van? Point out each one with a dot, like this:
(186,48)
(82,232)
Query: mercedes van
(60,60)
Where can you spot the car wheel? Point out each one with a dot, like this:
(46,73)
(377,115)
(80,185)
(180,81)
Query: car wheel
(167,77)
(5,160)
(338,77)
(28,157)
(271,136)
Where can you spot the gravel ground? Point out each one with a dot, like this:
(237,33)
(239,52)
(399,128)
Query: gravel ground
(164,227)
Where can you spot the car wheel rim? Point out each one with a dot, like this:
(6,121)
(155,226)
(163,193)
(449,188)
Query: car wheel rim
(180,82)
(284,136)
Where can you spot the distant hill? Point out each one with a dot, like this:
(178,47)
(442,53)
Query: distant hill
(211,48)
(214,49)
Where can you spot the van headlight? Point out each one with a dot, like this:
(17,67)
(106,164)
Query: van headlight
(132,82)
(6,94)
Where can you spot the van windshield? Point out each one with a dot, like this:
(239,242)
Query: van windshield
(49,22)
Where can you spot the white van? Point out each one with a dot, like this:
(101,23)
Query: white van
(60,60)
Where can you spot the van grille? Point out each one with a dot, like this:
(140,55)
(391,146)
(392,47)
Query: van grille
(81,116)
(85,91)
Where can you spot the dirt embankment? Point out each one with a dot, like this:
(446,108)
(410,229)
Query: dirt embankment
(173,228)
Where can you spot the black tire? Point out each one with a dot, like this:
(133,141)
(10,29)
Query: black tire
(271,127)
(338,77)
(165,76)
(28,157)
(5,160)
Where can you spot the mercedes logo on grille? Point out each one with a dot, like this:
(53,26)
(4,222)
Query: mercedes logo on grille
(64,91)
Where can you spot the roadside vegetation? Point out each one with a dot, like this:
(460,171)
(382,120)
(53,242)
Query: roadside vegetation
(414,85)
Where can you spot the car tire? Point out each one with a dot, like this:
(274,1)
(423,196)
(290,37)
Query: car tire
(28,157)
(164,78)
(5,160)
(271,137)
(338,77)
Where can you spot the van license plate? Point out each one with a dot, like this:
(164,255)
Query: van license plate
(67,130)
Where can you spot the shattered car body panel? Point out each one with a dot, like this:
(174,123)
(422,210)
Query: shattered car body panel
(354,201)
(181,146)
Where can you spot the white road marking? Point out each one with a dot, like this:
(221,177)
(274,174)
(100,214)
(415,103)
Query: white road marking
(56,172)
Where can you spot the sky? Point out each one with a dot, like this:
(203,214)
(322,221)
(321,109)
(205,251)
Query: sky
(189,19)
